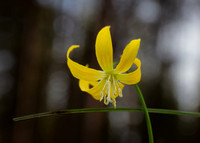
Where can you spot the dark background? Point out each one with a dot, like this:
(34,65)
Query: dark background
(34,38)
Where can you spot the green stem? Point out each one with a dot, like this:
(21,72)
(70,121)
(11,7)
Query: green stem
(148,122)
(92,110)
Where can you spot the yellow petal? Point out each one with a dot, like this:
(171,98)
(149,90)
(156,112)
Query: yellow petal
(128,56)
(133,77)
(80,71)
(85,85)
(94,91)
(104,49)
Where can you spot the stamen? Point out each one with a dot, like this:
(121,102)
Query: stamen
(105,102)
(114,87)
(120,92)
(114,103)
(110,91)
(108,97)
(101,96)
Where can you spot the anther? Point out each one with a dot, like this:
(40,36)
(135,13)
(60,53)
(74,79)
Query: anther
(114,104)
(101,96)
(120,92)
(105,101)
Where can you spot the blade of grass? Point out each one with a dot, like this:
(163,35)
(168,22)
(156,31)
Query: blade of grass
(90,110)
(148,121)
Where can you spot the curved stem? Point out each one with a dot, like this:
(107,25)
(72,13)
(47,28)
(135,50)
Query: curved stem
(148,122)
(92,110)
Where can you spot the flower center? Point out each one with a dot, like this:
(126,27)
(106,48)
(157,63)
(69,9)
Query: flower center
(110,90)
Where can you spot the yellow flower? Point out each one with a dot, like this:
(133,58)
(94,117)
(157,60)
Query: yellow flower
(107,84)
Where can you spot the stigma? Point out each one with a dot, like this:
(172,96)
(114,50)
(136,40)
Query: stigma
(111,90)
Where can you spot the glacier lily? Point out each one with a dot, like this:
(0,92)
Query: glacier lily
(108,83)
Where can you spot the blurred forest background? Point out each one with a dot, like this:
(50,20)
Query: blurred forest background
(34,38)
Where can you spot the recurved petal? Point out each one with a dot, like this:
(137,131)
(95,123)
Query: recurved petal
(128,56)
(104,49)
(95,90)
(80,71)
(133,77)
